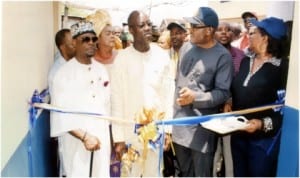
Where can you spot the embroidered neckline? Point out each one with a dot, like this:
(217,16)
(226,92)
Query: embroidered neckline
(274,61)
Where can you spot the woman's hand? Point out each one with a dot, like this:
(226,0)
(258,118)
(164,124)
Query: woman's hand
(253,125)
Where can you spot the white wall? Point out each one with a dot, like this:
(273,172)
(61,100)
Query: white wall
(282,9)
(234,9)
(27,52)
(292,98)
(285,10)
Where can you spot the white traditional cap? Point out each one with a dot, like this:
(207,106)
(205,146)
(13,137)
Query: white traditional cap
(81,28)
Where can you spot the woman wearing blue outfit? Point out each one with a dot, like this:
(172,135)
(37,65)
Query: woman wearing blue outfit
(261,76)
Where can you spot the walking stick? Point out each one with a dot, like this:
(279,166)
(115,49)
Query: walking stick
(91,163)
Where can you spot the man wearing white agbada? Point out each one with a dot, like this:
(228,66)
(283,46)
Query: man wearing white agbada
(140,78)
(82,84)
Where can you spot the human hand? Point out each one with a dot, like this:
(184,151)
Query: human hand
(253,125)
(167,142)
(120,149)
(227,107)
(91,142)
(186,96)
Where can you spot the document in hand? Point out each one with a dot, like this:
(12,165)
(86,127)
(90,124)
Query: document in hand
(226,125)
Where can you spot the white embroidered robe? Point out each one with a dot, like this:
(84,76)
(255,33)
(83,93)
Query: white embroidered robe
(86,88)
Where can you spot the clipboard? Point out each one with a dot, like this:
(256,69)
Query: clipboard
(226,125)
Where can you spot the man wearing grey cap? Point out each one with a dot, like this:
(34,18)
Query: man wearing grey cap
(82,84)
(202,86)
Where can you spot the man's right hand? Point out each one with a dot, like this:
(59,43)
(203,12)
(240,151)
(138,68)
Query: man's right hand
(120,149)
(91,142)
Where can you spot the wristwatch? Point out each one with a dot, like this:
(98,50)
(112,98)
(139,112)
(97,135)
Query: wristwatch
(267,124)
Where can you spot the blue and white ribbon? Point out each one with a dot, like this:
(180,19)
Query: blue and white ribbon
(200,119)
(37,103)
(280,100)
(36,98)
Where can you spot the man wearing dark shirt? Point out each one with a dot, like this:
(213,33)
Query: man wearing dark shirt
(202,85)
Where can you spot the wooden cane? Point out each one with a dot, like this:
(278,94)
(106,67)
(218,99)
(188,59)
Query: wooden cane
(91,164)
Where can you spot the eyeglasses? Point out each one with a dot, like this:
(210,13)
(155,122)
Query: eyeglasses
(248,19)
(198,27)
(87,39)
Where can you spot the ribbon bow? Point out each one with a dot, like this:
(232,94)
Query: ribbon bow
(147,130)
(128,159)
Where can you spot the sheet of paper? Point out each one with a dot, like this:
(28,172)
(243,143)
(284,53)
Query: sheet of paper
(226,125)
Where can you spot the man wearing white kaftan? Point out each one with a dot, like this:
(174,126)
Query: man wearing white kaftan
(73,89)
(82,84)
(140,79)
